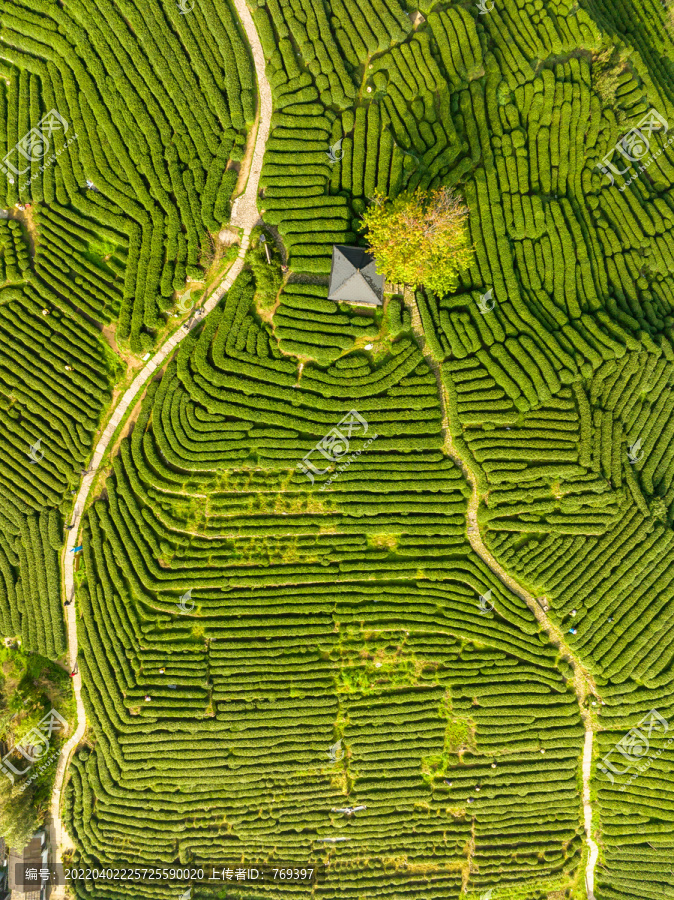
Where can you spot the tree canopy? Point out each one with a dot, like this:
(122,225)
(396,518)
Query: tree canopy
(30,686)
(420,238)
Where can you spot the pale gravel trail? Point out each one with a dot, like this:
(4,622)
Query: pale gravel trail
(583,681)
(587,815)
(245,216)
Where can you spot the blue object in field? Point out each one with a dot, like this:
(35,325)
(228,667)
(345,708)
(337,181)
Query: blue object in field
(572,630)
(75,549)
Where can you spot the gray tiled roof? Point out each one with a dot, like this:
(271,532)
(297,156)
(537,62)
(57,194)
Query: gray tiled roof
(31,855)
(354,277)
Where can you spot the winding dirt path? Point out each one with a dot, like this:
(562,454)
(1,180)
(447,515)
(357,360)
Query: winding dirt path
(245,217)
(584,683)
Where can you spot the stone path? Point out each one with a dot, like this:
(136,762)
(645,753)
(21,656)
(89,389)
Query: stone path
(245,216)
(583,682)
(244,209)
(587,815)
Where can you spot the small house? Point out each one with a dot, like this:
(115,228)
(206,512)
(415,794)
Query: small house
(31,859)
(354,277)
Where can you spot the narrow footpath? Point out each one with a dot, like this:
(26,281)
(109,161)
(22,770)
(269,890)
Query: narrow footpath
(584,684)
(245,216)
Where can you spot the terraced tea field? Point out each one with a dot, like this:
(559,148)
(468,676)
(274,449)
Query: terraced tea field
(383,647)
(384,591)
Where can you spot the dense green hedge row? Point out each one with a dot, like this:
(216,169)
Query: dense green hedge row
(30,589)
(393,130)
(55,375)
(206,503)
(316,327)
(54,383)
(82,260)
(114,214)
(15,259)
(304,218)
(556,351)
(356,596)
(149,154)
(90,261)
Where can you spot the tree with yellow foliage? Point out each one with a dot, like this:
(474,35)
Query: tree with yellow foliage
(421,239)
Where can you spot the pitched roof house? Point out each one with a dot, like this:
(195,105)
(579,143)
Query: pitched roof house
(354,277)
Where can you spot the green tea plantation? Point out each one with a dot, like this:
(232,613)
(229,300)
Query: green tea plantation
(388,591)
